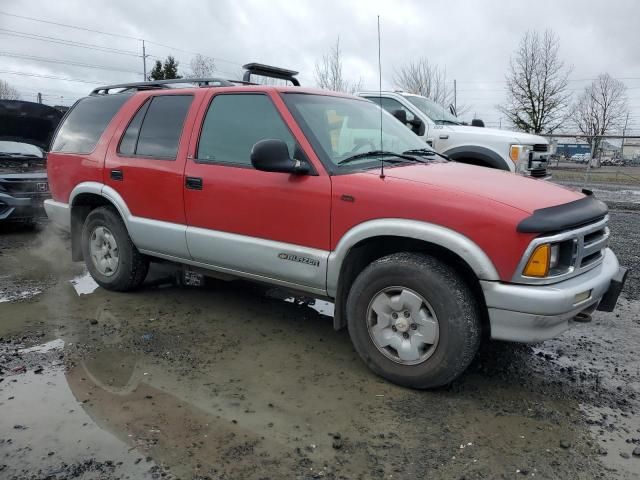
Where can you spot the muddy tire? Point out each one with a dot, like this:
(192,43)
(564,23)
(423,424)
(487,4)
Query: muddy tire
(413,320)
(111,257)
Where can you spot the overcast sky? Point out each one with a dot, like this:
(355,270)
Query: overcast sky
(473,40)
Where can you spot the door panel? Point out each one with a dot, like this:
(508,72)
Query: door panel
(274,225)
(146,169)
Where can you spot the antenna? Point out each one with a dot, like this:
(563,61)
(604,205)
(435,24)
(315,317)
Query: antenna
(380,100)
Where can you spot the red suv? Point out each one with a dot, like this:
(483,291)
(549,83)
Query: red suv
(284,185)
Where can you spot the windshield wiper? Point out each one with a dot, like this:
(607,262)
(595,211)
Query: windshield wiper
(446,122)
(425,152)
(376,153)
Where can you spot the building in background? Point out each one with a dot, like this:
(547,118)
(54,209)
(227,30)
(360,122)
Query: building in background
(631,149)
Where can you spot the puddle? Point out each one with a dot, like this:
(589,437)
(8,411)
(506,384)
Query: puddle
(24,294)
(57,344)
(615,442)
(35,439)
(321,306)
(84,284)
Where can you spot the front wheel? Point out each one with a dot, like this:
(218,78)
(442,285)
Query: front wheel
(413,320)
(111,257)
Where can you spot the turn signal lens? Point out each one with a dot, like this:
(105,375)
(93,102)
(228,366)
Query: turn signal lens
(538,264)
(514,152)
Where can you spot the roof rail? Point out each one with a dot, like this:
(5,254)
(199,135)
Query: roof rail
(269,71)
(159,84)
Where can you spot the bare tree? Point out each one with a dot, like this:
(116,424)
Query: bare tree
(601,109)
(422,78)
(329,74)
(537,85)
(202,67)
(7,92)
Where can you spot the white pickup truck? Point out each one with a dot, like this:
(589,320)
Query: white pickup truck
(502,149)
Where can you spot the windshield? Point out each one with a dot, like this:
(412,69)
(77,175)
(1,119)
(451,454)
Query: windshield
(17,148)
(438,113)
(340,128)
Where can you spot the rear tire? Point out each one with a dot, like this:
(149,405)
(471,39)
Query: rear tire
(413,320)
(111,257)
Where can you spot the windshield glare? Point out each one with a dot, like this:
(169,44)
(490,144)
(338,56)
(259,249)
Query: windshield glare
(436,112)
(341,127)
(18,148)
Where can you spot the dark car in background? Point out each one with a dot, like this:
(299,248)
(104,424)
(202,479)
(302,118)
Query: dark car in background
(26,129)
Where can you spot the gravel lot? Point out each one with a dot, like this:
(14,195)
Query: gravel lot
(238,381)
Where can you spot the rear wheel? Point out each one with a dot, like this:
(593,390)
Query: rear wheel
(111,257)
(413,320)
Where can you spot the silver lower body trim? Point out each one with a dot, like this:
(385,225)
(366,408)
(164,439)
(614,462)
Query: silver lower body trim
(258,256)
(238,274)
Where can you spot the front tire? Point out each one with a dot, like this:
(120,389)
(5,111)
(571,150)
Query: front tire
(413,320)
(111,257)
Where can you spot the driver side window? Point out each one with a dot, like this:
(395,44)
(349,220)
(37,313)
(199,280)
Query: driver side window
(234,123)
(391,105)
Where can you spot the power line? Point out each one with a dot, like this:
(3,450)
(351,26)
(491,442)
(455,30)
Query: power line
(70,43)
(65,62)
(53,77)
(24,17)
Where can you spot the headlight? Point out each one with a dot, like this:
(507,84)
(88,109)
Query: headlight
(519,153)
(549,259)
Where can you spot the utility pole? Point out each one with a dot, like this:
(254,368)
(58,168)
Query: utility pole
(455,96)
(39,97)
(144,61)
(624,132)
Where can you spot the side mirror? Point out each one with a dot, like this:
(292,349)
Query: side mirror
(400,115)
(417,126)
(415,123)
(272,155)
(476,122)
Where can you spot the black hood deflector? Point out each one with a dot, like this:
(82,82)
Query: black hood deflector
(563,217)
(28,122)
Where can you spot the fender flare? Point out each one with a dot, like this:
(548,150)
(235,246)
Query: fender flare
(483,154)
(444,237)
(104,191)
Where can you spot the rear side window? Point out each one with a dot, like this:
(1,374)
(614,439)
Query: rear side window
(130,137)
(86,122)
(234,123)
(155,130)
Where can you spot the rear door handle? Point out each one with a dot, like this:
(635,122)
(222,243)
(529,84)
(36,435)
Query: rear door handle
(193,183)
(117,175)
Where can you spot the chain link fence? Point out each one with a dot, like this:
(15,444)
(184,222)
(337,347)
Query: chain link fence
(602,160)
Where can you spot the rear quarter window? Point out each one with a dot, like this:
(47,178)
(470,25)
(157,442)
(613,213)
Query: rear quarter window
(85,123)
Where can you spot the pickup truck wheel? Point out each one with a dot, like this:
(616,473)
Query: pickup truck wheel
(111,257)
(413,320)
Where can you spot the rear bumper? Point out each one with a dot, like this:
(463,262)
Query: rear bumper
(533,313)
(24,208)
(59,213)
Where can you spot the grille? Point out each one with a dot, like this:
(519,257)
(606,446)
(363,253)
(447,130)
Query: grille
(26,186)
(591,245)
(540,147)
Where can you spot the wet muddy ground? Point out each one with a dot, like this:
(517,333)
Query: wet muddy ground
(238,381)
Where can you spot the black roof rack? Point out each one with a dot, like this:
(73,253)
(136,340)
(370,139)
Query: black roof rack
(158,84)
(269,71)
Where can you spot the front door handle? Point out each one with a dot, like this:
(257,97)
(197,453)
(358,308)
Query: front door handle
(193,183)
(117,175)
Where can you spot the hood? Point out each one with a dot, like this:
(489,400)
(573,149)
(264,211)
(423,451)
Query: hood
(28,122)
(510,136)
(526,194)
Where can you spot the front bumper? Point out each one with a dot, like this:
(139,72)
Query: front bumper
(21,208)
(533,313)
